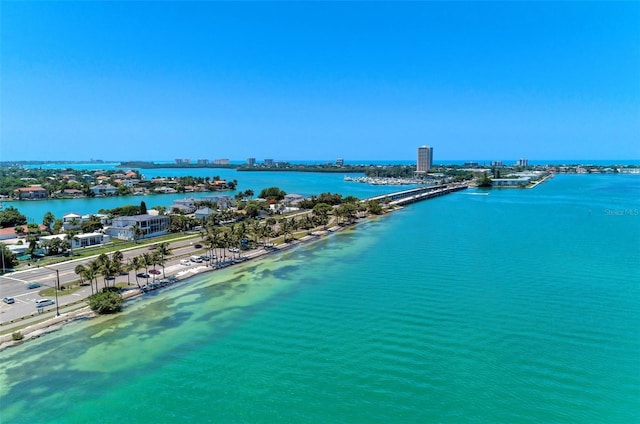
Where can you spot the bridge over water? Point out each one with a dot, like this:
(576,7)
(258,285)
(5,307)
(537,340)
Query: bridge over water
(413,195)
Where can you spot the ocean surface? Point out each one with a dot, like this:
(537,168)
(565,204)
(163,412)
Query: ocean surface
(520,306)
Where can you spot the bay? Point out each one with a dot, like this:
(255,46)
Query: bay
(517,306)
(303,183)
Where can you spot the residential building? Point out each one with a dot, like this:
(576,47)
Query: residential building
(186,205)
(71,221)
(124,227)
(339,162)
(80,240)
(203,213)
(203,161)
(31,192)
(268,162)
(522,162)
(221,161)
(103,190)
(251,161)
(425,159)
(223,202)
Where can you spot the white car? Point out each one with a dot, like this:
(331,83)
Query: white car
(185,262)
(44,302)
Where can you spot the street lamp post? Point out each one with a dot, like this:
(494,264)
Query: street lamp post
(56,287)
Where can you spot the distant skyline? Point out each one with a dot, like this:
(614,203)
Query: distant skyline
(319,81)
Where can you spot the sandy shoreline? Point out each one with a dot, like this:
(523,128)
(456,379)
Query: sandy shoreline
(182,274)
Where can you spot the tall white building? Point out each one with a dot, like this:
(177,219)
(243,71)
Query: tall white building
(425,159)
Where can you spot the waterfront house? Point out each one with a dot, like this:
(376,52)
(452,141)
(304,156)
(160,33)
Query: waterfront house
(104,190)
(124,227)
(223,202)
(31,192)
(186,205)
(165,190)
(292,199)
(70,192)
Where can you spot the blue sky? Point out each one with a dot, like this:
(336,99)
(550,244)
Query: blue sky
(318,80)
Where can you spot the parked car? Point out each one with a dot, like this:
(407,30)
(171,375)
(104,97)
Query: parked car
(234,249)
(33,285)
(142,275)
(197,246)
(9,300)
(185,262)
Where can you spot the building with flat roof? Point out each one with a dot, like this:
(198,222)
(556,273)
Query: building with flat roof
(425,159)
(124,227)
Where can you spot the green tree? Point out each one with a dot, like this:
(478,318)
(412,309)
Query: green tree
(321,211)
(105,302)
(163,250)
(10,217)
(272,193)
(143,208)
(7,259)
(47,220)
(485,181)
(374,207)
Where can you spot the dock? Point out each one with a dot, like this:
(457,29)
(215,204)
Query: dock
(405,197)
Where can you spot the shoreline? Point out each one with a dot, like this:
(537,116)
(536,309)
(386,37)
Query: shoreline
(56,323)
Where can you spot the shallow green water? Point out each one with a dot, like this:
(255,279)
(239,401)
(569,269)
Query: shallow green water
(519,306)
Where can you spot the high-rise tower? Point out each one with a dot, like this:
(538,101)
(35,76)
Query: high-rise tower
(425,159)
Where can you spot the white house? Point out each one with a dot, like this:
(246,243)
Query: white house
(103,190)
(124,227)
(204,213)
(81,240)
(71,221)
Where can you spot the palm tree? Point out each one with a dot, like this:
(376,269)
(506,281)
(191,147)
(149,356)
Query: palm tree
(47,220)
(163,250)
(33,245)
(92,272)
(137,232)
(80,271)
(136,264)
(117,265)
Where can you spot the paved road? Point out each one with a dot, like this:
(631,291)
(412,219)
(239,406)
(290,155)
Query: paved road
(15,284)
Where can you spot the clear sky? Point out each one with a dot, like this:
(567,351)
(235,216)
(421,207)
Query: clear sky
(154,80)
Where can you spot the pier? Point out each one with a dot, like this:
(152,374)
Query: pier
(405,197)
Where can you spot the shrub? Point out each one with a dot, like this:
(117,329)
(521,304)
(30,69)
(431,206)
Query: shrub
(17,336)
(107,302)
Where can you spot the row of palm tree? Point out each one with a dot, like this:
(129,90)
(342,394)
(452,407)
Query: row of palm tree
(109,267)
(219,239)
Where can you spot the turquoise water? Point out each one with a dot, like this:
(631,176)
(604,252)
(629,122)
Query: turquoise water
(519,306)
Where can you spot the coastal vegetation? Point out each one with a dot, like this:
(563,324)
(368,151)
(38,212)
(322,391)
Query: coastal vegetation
(484,181)
(106,302)
(10,217)
(20,183)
